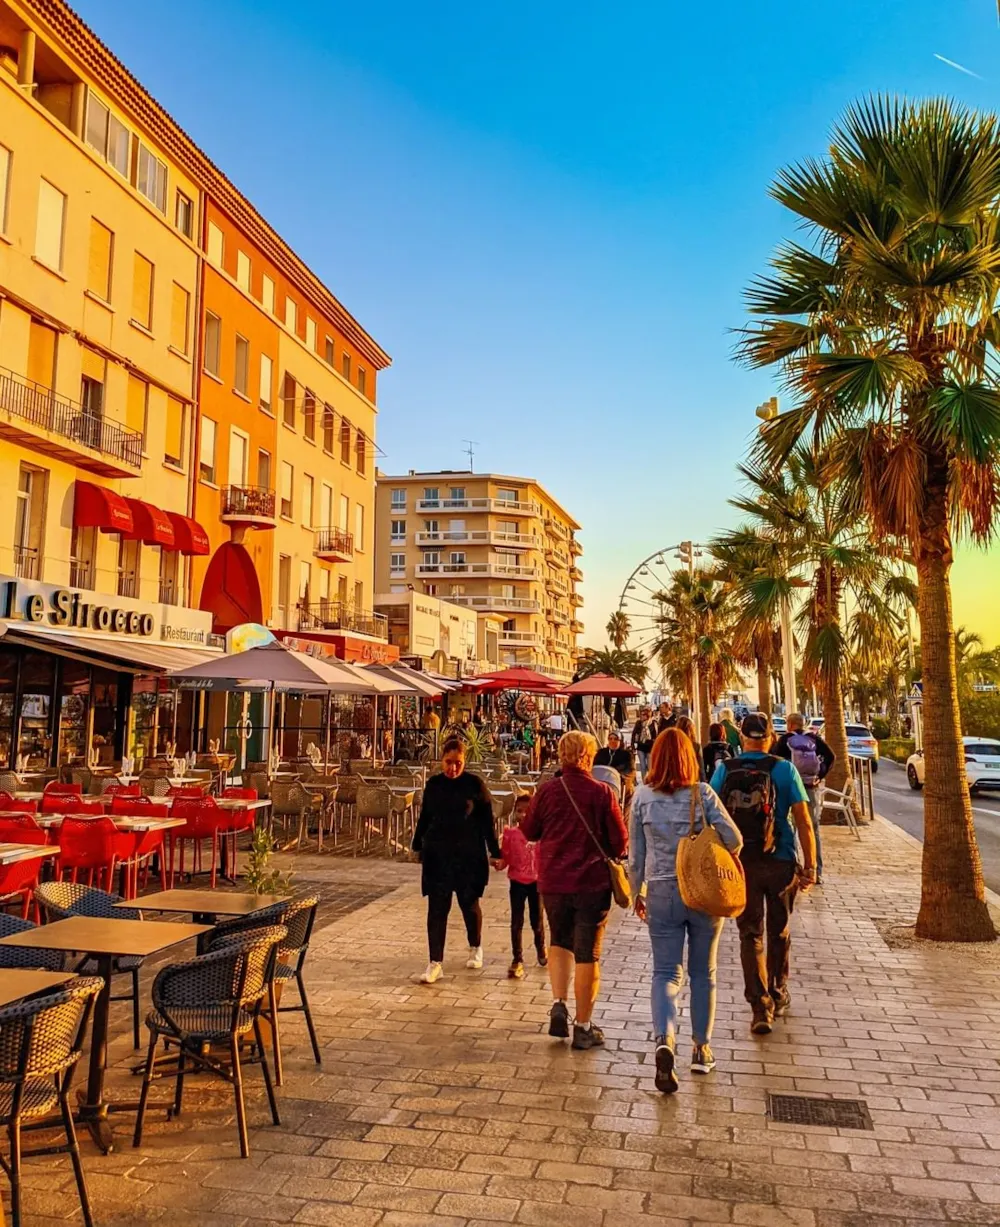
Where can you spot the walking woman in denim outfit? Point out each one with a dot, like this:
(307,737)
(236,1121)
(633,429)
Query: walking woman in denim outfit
(661,818)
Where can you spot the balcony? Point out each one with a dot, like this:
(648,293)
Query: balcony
(168,592)
(251,506)
(520,639)
(81,574)
(500,570)
(333,544)
(557,530)
(554,584)
(478,504)
(509,541)
(128,584)
(557,616)
(576,574)
(25,562)
(575,598)
(342,616)
(576,626)
(34,416)
(491,601)
(575,548)
(555,556)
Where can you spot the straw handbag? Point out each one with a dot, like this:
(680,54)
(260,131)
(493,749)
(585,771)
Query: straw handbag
(710,877)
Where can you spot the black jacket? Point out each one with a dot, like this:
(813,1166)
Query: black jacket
(711,753)
(621,760)
(455,834)
(827,758)
(643,735)
(661,723)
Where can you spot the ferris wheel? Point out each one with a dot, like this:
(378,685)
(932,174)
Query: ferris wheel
(641,598)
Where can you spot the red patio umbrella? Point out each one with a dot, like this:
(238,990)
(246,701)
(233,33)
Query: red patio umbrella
(605,686)
(515,679)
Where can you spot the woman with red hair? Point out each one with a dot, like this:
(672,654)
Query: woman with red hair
(661,818)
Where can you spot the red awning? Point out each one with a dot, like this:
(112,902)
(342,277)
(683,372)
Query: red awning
(150,524)
(99,507)
(189,536)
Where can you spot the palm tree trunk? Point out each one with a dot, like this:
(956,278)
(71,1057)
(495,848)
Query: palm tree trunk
(764,684)
(834,731)
(952,903)
(705,702)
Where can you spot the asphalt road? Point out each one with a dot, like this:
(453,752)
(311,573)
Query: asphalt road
(895,800)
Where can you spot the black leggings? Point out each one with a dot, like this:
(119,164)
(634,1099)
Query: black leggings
(438,907)
(521,893)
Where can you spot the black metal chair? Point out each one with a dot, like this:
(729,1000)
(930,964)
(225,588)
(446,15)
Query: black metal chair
(61,899)
(23,956)
(298,916)
(213,999)
(40,1044)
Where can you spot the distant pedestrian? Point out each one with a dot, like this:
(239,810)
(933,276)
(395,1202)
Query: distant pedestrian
(643,736)
(519,858)
(813,759)
(665,719)
(455,839)
(615,755)
(728,722)
(767,800)
(715,749)
(661,818)
(686,726)
(577,823)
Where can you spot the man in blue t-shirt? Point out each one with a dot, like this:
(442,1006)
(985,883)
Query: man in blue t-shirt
(773,876)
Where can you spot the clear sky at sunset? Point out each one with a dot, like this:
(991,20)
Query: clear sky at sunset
(547,213)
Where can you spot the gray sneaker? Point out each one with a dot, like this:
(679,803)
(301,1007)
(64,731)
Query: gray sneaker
(588,1037)
(702,1059)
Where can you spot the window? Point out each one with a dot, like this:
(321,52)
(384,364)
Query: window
(432,558)
(128,567)
(206,455)
(29,518)
(102,243)
(307,500)
(328,424)
(169,589)
(264,469)
(397,530)
(241,377)
(324,583)
(399,499)
(213,343)
(507,496)
(430,589)
(286,489)
(136,404)
(184,215)
(458,558)
(342,589)
(6,158)
(180,314)
(284,587)
(92,396)
(328,350)
(83,550)
(243,271)
(173,450)
(239,457)
(107,135)
(345,441)
(50,225)
(326,506)
(266,382)
(311,334)
(507,591)
(42,355)
(291,314)
(288,399)
(345,365)
(397,564)
(359,595)
(457,494)
(359,453)
(216,244)
(305,581)
(267,294)
(309,415)
(142,291)
(458,590)
(362,380)
(431,494)
(151,177)
(359,526)
(345,513)
(393,588)
(431,526)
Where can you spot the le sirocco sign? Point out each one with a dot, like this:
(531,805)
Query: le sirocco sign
(68,609)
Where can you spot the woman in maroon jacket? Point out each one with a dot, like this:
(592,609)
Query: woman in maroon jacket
(573,818)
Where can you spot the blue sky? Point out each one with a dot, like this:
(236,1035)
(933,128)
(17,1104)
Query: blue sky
(547,213)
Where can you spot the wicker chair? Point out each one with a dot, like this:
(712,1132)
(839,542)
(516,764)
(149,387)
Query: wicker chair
(61,899)
(9,782)
(290,800)
(25,956)
(259,780)
(374,805)
(299,919)
(40,1044)
(210,1000)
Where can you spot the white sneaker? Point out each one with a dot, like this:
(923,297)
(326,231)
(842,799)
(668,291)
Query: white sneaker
(433,973)
(475,962)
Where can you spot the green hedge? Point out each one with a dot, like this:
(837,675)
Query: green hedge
(898,749)
(981,715)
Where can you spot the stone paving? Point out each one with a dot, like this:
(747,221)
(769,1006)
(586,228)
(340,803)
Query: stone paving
(449,1106)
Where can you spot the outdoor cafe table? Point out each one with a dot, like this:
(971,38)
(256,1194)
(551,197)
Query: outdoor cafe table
(10,854)
(105,940)
(205,906)
(18,983)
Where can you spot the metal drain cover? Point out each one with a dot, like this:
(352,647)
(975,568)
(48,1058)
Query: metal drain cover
(832,1113)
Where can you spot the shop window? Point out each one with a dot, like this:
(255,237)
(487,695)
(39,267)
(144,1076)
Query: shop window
(106,740)
(8,686)
(34,731)
(74,710)
(128,567)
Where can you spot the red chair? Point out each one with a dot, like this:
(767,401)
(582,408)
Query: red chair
(87,845)
(122,790)
(134,848)
(237,820)
(21,828)
(139,805)
(193,792)
(18,880)
(54,788)
(12,805)
(202,820)
(67,803)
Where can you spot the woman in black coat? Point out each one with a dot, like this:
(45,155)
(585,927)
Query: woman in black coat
(455,839)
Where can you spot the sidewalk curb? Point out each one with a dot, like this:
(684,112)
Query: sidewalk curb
(992,898)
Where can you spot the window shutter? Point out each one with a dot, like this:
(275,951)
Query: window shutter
(179,312)
(142,291)
(49,228)
(99,264)
(173,448)
(135,405)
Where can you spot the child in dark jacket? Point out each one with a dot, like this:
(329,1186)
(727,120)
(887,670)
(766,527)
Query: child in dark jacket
(518,856)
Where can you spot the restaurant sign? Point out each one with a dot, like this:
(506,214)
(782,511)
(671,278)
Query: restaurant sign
(69,609)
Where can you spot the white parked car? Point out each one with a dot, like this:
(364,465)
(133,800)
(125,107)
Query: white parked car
(982,764)
(860,742)
(779,724)
(816,725)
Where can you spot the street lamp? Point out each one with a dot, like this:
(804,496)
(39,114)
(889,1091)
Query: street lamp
(767,412)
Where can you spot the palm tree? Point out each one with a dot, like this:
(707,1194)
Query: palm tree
(973,663)
(619,627)
(622,663)
(883,329)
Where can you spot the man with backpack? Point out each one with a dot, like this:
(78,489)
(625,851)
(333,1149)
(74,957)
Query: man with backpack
(813,759)
(766,798)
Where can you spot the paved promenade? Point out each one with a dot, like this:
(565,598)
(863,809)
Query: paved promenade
(449,1106)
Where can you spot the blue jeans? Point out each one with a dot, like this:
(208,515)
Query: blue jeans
(643,758)
(814,814)
(669,923)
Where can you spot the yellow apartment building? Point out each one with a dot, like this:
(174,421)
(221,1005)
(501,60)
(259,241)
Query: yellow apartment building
(497,544)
